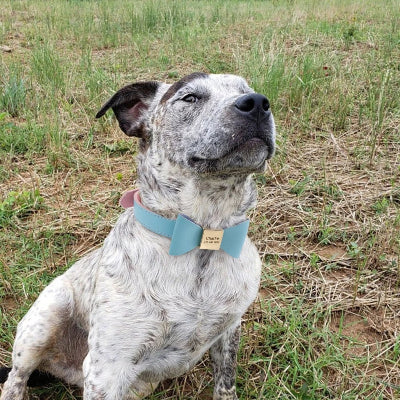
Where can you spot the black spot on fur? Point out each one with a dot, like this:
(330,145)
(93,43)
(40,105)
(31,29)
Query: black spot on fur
(204,259)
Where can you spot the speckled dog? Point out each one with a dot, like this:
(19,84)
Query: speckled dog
(129,315)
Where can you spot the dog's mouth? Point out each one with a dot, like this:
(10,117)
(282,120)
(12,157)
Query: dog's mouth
(249,156)
(251,143)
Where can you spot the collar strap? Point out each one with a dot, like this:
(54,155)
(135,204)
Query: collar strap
(184,233)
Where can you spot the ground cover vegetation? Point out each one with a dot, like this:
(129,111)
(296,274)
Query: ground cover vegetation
(326,323)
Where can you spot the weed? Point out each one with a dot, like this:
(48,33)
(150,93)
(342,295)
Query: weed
(13,95)
(299,187)
(120,147)
(349,35)
(21,139)
(381,205)
(20,205)
(327,234)
(314,260)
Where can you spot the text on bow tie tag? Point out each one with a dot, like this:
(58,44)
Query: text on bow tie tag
(211,240)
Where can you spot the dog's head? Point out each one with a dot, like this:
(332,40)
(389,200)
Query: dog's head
(208,124)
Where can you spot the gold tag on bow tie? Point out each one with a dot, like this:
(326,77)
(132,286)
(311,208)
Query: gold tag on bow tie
(211,240)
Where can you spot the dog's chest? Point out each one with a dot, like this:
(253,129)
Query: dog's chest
(189,311)
(195,318)
(195,309)
(187,335)
(172,309)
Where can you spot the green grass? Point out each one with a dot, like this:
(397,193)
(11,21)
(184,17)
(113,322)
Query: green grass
(19,204)
(47,68)
(328,221)
(21,138)
(12,98)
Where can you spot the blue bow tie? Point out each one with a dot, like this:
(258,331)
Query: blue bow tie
(184,233)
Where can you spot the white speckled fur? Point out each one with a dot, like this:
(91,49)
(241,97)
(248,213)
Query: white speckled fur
(129,315)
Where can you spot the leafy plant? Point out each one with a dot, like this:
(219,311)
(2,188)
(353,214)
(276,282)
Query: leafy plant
(19,205)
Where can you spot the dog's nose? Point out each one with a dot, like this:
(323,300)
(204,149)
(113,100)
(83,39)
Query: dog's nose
(253,105)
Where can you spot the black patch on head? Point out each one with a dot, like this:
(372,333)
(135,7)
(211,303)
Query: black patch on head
(180,84)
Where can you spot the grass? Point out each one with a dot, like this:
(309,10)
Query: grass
(13,96)
(325,325)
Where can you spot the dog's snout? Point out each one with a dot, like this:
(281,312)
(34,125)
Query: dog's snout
(253,105)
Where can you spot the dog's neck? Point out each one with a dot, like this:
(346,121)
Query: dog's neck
(212,202)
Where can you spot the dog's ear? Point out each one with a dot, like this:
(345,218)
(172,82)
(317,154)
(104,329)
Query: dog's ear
(130,105)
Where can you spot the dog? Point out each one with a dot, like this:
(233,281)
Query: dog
(141,308)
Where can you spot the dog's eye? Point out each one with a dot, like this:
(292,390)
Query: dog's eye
(190,98)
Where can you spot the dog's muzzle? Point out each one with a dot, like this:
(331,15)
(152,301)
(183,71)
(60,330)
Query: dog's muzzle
(246,141)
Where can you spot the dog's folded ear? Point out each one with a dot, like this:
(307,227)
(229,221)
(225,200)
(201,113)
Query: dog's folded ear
(130,104)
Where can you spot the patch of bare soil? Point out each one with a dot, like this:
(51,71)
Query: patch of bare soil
(354,328)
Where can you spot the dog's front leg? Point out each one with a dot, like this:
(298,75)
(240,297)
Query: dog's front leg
(104,379)
(111,384)
(223,355)
(110,375)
